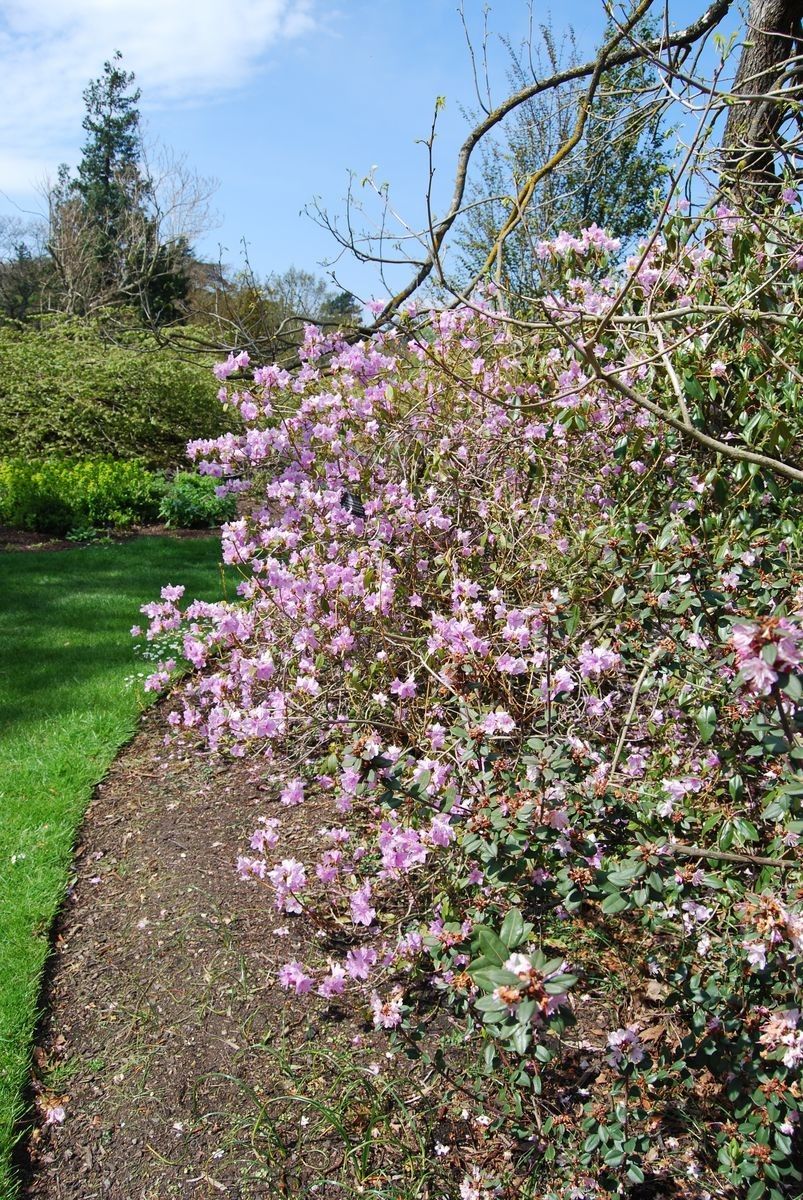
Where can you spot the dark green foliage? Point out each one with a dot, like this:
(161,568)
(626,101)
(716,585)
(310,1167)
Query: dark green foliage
(23,276)
(343,307)
(165,290)
(108,173)
(191,503)
(58,496)
(63,390)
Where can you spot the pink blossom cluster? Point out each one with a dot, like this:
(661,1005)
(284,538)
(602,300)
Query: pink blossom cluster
(625,1047)
(765,649)
(781,1033)
(591,240)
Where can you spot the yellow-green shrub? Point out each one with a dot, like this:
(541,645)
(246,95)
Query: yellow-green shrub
(57,496)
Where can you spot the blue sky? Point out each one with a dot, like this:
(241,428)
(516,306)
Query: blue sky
(276,99)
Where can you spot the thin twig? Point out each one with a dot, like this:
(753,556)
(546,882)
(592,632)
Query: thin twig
(758,860)
(656,654)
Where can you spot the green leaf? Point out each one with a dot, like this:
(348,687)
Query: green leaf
(706,722)
(549,967)
(512,932)
(526,1011)
(555,987)
(726,836)
(489,978)
(618,597)
(490,1004)
(491,946)
(746,829)
(520,1040)
(625,874)
(615,904)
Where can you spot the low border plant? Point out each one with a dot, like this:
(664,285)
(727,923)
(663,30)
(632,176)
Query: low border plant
(58,496)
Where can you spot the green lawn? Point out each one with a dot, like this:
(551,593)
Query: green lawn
(65,709)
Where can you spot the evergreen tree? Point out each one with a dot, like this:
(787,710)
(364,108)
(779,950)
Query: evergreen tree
(106,238)
(109,179)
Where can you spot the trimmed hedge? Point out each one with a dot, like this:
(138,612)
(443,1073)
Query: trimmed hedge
(64,390)
(60,496)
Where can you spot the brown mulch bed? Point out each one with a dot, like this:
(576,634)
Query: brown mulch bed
(179,1067)
(162,1013)
(26,539)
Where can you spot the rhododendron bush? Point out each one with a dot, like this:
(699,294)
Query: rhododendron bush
(543,655)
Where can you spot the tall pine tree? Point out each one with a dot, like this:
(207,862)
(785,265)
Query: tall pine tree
(109,179)
(105,236)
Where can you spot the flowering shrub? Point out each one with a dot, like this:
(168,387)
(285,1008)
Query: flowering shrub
(543,655)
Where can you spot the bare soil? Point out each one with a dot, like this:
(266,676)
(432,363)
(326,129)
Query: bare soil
(27,539)
(163,1019)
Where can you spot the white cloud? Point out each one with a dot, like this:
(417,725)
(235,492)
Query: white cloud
(181,51)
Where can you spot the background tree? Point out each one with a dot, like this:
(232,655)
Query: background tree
(120,231)
(264,315)
(767,91)
(610,178)
(25,270)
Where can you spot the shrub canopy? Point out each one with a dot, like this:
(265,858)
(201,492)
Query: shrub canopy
(65,390)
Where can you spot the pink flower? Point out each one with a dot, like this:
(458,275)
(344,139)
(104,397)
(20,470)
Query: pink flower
(756,954)
(625,1046)
(387,1013)
(598,660)
(293,975)
(440,832)
(360,961)
(498,722)
(333,983)
(405,689)
(561,682)
(265,836)
(759,674)
(292,793)
(251,868)
(362,913)
(288,878)
(510,665)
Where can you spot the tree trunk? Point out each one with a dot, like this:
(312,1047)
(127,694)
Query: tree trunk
(751,142)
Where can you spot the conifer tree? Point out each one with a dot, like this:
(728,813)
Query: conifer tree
(105,238)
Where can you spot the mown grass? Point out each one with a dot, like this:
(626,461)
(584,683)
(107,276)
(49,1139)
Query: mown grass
(65,708)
